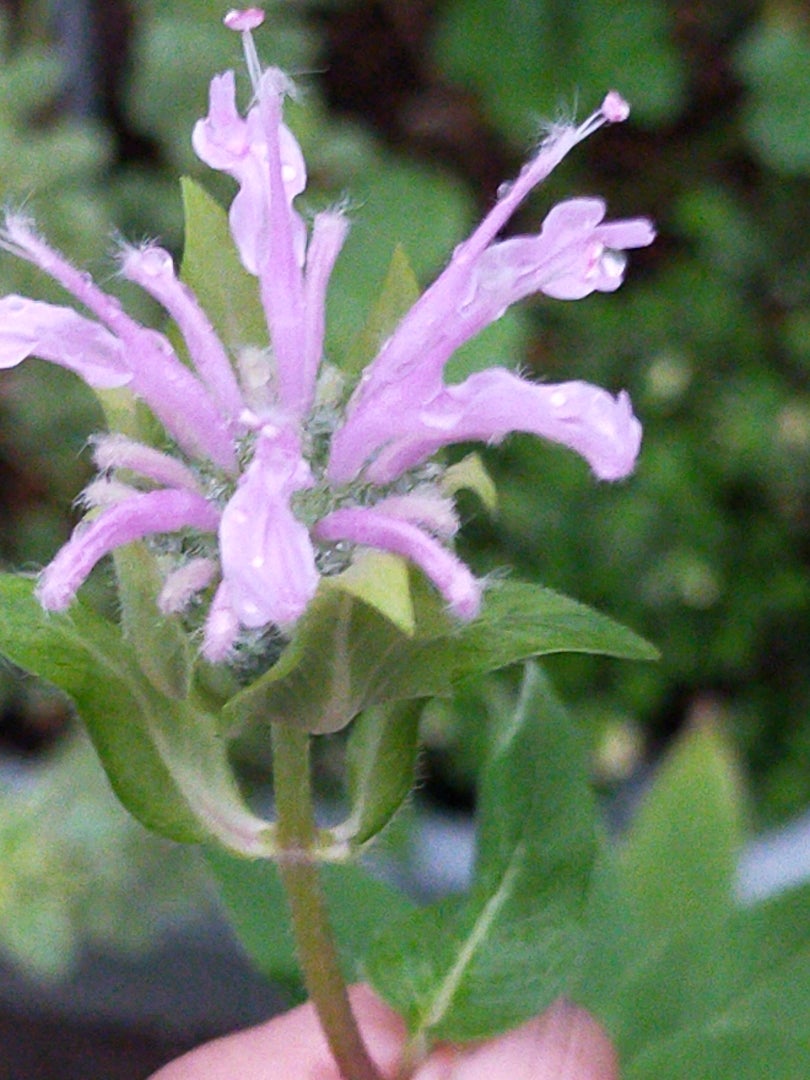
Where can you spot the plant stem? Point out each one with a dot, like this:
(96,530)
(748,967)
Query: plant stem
(315,943)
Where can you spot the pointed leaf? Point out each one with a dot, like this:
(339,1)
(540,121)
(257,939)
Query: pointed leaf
(769,934)
(674,883)
(761,1032)
(400,291)
(680,856)
(345,656)
(165,759)
(158,640)
(382,581)
(470,474)
(733,1054)
(466,969)
(689,983)
(609,944)
(381,760)
(227,293)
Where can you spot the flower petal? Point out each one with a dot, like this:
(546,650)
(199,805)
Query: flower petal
(116,451)
(221,626)
(569,259)
(424,506)
(442,299)
(493,403)
(171,391)
(144,514)
(328,233)
(152,268)
(262,154)
(372,527)
(182,584)
(238,146)
(63,336)
(268,561)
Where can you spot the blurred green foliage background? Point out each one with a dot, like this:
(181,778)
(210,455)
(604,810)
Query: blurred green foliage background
(414,111)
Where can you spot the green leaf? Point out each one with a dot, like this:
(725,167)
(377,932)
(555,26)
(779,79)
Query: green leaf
(774,63)
(735,1053)
(470,474)
(769,934)
(757,1029)
(165,759)
(659,953)
(606,950)
(659,982)
(358,903)
(158,640)
(628,45)
(467,969)
(382,581)
(400,291)
(345,656)
(227,293)
(381,760)
(687,982)
(680,855)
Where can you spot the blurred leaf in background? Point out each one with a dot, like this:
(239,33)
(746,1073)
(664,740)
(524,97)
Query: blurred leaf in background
(549,54)
(78,871)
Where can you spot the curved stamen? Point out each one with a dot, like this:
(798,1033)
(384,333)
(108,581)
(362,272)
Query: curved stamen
(244,21)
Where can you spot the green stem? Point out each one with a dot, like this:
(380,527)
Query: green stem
(317,953)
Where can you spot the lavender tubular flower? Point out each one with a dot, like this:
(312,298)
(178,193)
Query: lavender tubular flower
(63,336)
(242,472)
(402,393)
(267,556)
(154,372)
(373,528)
(152,268)
(143,513)
(489,405)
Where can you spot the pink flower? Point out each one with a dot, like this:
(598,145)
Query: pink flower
(260,508)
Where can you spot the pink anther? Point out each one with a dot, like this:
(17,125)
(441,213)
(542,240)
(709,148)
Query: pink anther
(244,18)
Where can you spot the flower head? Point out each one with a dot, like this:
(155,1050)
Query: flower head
(243,470)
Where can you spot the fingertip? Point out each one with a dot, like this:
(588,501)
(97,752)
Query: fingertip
(565,1043)
(293,1045)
